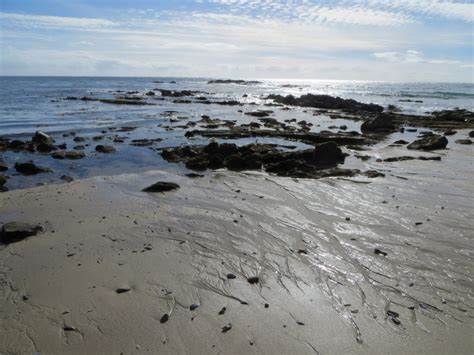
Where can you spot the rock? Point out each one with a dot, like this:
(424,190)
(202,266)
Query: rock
(401,141)
(150,93)
(463,141)
(161,186)
(194,175)
(253,279)
(3,166)
(222,311)
(231,276)
(258,113)
(328,153)
(17,145)
(379,252)
(450,132)
(393,316)
(67,178)
(41,137)
(29,168)
(230,81)
(79,139)
(471,134)
(381,123)
(71,154)
(226,328)
(432,142)
(193,307)
(164,318)
(122,290)
(15,231)
(45,148)
(235,163)
(3,180)
(460,115)
(326,102)
(106,149)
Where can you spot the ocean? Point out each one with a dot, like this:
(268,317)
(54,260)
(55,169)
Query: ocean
(29,104)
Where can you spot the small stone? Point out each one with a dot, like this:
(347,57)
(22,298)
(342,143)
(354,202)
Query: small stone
(231,276)
(3,166)
(226,328)
(122,290)
(164,318)
(222,311)
(379,252)
(30,168)
(253,279)
(161,186)
(106,149)
(463,141)
(193,307)
(67,178)
(16,231)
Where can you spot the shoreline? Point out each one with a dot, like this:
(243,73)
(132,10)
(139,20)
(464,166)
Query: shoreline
(172,251)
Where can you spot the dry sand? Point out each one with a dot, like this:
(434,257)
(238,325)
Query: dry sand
(310,242)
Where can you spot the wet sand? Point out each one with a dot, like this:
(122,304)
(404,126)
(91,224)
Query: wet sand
(115,261)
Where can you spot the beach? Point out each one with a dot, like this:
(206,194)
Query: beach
(235,262)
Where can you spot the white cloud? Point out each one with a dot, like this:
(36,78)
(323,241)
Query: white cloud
(411,56)
(38,21)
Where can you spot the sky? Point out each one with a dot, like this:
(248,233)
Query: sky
(387,40)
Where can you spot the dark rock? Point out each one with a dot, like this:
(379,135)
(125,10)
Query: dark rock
(230,81)
(122,290)
(328,153)
(72,155)
(197,163)
(326,102)
(3,180)
(164,318)
(253,279)
(222,311)
(41,137)
(471,134)
(460,115)
(393,316)
(231,276)
(161,186)
(79,139)
(235,162)
(450,132)
(17,145)
(463,141)
(401,141)
(381,123)
(193,307)
(106,149)
(429,143)
(150,93)
(45,148)
(226,328)
(3,166)
(67,178)
(380,252)
(194,175)
(29,168)
(258,113)
(15,231)
(404,158)
(171,93)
